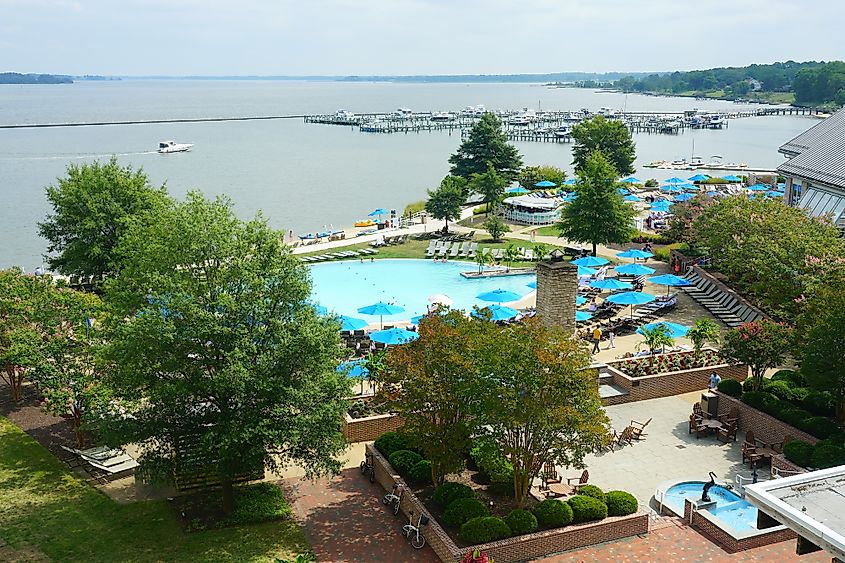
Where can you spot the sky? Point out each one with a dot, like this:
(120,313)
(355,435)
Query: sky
(399,37)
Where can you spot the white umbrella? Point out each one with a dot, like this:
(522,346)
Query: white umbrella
(440,299)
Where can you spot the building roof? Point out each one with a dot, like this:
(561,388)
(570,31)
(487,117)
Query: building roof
(812,504)
(818,202)
(816,134)
(533,202)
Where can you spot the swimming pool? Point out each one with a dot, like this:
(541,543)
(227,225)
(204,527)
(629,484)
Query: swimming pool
(343,287)
(737,513)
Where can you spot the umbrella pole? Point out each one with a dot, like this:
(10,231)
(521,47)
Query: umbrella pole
(381,321)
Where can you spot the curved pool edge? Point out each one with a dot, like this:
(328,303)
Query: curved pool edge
(664,486)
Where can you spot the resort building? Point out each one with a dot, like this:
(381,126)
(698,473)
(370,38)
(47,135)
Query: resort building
(815,169)
(531,210)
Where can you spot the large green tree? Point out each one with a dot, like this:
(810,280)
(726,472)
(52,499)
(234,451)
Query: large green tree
(445,202)
(538,402)
(490,184)
(761,345)
(530,175)
(91,208)
(213,344)
(609,136)
(486,143)
(598,215)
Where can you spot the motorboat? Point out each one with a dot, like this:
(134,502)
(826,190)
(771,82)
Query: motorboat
(403,113)
(167,147)
(441,116)
(696,162)
(343,114)
(563,131)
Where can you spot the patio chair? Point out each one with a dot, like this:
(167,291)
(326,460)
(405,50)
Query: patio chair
(778,446)
(456,248)
(727,432)
(697,411)
(731,416)
(694,421)
(464,249)
(698,426)
(550,475)
(432,247)
(627,435)
(750,453)
(637,429)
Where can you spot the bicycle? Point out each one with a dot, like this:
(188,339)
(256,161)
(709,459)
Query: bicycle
(394,497)
(367,467)
(413,533)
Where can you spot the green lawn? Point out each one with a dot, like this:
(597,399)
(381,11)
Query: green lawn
(47,513)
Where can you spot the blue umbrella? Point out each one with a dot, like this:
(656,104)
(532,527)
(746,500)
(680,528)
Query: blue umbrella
(630,180)
(393,336)
(774,193)
(672,188)
(381,309)
(379,212)
(622,191)
(669,280)
(351,323)
(498,296)
(633,270)
(631,197)
(673,329)
(635,253)
(631,298)
(713,193)
(319,309)
(610,283)
(590,261)
(582,316)
(570,182)
(732,179)
(661,207)
(580,299)
(497,312)
(355,369)
(698,178)
(674,180)
(585,271)
(545,184)
(570,197)
(532,285)
(516,190)
(759,188)
(416,320)
(684,197)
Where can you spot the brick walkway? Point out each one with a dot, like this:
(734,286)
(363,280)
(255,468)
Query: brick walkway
(344,520)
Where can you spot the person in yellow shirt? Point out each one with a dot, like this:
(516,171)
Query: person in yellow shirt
(596,339)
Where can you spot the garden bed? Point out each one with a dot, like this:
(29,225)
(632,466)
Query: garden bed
(367,428)
(667,363)
(261,502)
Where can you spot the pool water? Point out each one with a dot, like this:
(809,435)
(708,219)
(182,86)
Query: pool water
(737,513)
(344,287)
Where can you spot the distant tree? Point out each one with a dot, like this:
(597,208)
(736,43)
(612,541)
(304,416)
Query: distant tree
(490,184)
(511,255)
(540,250)
(92,208)
(703,330)
(496,227)
(486,143)
(761,345)
(458,182)
(445,202)
(538,402)
(530,175)
(212,343)
(611,137)
(684,215)
(598,215)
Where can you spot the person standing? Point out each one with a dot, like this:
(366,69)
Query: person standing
(596,340)
(714,381)
(611,339)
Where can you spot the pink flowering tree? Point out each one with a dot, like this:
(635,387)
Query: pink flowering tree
(760,345)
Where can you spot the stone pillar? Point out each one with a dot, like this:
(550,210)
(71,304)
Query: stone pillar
(557,287)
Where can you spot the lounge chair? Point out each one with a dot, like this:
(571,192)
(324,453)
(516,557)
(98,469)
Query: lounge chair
(106,459)
(443,250)
(498,253)
(464,249)
(626,436)
(473,247)
(432,246)
(456,248)
(528,254)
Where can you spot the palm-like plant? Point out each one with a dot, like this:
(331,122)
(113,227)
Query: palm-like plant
(654,338)
(703,331)
(511,254)
(540,250)
(375,364)
(481,260)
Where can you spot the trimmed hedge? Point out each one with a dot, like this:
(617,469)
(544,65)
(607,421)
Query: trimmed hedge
(521,522)
(552,513)
(403,460)
(828,455)
(484,529)
(730,387)
(463,510)
(591,491)
(792,377)
(819,403)
(586,509)
(390,442)
(620,503)
(449,492)
(421,473)
(799,452)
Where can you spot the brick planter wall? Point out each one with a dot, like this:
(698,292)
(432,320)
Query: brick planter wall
(519,548)
(668,383)
(765,427)
(788,468)
(726,541)
(369,428)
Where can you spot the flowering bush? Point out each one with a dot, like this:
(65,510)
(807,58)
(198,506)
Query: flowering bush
(760,345)
(663,363)
(476,556)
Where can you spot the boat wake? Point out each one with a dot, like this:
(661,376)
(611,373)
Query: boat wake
(74,156)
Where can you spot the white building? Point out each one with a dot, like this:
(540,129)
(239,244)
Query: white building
(531,210)
(815,169)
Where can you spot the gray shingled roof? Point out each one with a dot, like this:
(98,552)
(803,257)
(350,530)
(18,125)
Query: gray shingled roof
(833,125)
(823,162)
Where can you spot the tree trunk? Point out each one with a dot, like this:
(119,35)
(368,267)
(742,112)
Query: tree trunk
(594,249)
(756,380)
(228,495)
(840,410)
(15,381)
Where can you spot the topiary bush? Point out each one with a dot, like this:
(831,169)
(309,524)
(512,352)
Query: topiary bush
(390,442)
(421,473)
(591,491)
(827,455)
(521,522)
(818,426)
(552,513)
(586,509)
(730,387)
(484,529)
(748,384)
(463,510)
(620,503)
(449,491)
(799,452)
(819,403)
(403,460)
(786,391)
(792,377)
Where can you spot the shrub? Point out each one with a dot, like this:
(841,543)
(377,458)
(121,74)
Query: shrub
(585,509)
(818,403)
(390,442)
(794,416)
(664,252)
(258,503)
(783,389)
(799,452)
(421,472)
(463,510)
(828,455)
(591,491)
(552,513)
(755,398)
(403,460)
(492,465)
(730,387)
(521,522)
(792,377)
(449,491)
(818,426)
(748,384)
(484,529)
(620,503)
(837,438)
